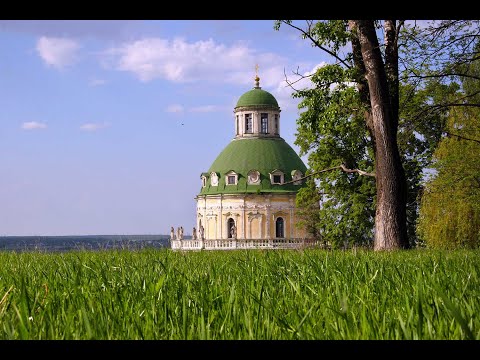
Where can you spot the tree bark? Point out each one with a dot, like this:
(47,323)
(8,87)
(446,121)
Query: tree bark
(390,215)
(362,84)
(391,68)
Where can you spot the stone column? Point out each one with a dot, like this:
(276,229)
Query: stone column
(220,216)
(260,227)
(204,219)
(242,234)
(242,207)
(250,219)
(292,235)
(268,206)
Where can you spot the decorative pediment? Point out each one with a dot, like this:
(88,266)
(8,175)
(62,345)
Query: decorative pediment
(254,215)
(230,214)
(231,178)
(277,176)
(280,213)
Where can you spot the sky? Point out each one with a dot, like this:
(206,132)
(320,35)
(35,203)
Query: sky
(106,125)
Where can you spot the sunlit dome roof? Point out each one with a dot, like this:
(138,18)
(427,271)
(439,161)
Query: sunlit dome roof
(256,97)
(264,155)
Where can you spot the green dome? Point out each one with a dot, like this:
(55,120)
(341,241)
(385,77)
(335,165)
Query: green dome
(262,154)
(257,96)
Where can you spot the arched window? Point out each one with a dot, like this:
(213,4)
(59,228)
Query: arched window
(230,227)
(279,228)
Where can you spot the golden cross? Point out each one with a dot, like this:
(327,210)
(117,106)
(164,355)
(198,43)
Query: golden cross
(256,69)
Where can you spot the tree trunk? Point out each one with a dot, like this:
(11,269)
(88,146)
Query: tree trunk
(390,215)
(362,84)
(391,67)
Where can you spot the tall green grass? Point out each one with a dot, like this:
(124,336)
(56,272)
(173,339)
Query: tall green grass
(251,294)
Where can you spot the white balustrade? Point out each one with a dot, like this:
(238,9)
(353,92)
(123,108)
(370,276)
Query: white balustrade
(230,244)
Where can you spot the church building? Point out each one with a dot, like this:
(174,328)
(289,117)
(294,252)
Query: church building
(247,196)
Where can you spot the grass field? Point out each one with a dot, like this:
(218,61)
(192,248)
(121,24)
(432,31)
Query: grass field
(254,294)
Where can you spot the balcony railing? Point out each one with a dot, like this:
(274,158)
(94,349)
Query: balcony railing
(231,244)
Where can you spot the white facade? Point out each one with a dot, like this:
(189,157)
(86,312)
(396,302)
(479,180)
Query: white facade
(254,216)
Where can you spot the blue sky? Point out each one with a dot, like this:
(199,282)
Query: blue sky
(105,126)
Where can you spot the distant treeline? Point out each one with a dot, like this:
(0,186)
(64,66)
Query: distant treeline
(82,242)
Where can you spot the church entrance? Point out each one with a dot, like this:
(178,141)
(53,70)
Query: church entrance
(230,227)
(279,232)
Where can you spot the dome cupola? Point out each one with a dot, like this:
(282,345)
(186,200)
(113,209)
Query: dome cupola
(258,159)
(257,114)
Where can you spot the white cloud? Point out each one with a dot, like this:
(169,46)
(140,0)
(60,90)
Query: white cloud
(180,61)
(97,82)
(315,68)
(57,52)
(94,126)
(207,61)
(175,108)
(33,125)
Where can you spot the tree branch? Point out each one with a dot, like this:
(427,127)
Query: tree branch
(360,172)
(454,104)
(461,137)
(339,167)
(290,83)
(431,108)
(397,32)
(443,75)
(307,34)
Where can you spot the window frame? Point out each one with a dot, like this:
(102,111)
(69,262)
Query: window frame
(248,121)
(229,175)
(264,123)
(280,227)
(275,173)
